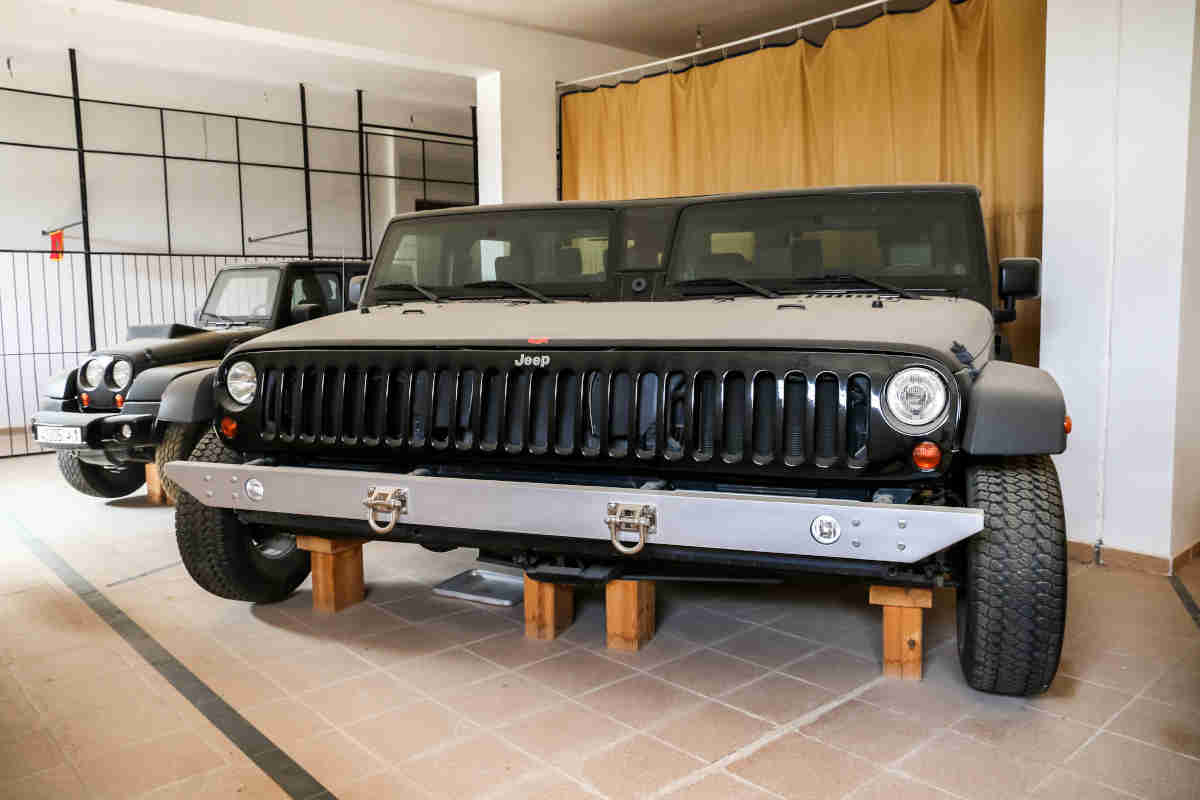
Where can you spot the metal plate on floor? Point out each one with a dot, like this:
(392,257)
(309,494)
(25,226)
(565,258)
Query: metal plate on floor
(484,586)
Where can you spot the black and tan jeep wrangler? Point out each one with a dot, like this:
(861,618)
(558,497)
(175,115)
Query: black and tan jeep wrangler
(135,402)
(743,386)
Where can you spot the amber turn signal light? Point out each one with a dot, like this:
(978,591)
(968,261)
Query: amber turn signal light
(927,456)
(84,399)
(228,427)
(1067,423)
(119,400)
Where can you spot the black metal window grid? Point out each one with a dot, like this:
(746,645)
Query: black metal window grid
(54,311)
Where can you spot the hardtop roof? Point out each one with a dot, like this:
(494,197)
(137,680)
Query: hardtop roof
(833,191)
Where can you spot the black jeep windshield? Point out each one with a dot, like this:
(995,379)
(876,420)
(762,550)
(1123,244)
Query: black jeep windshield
(241,296)
(502,249)
(916,242)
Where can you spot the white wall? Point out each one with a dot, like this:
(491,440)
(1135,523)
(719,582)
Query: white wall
(1185,528)
(516,69)
(1118,96)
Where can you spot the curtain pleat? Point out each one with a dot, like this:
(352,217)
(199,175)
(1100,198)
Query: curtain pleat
(953,92)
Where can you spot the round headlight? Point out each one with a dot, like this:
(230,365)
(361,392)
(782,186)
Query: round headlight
(916,396)
(242,382)
(92,373)
(122,374)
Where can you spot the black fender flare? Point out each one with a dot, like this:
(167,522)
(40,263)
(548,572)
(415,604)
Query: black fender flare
(150,385)
(189,398)
(1015,410)
(61,386)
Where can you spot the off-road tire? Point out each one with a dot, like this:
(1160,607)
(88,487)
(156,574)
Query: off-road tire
(218,551)
(97,481)
(1012,604)
(178,441)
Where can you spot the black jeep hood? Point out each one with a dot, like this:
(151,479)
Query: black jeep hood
(152,351)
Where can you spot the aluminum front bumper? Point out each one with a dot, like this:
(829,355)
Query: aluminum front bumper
(719,520)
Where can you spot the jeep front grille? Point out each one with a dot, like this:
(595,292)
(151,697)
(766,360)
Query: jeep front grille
(719,410)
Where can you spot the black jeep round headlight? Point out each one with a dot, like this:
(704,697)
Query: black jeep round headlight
(121,375)
(91,374)
(242,382)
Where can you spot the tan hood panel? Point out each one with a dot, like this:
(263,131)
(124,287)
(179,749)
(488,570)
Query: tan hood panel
(833,322)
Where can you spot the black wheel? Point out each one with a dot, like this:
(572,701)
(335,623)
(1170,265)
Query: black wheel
(227,557)
(178,441)
(97,481)
(1012,605)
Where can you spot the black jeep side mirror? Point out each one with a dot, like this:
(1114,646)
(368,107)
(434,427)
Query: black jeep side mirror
(1020,279)
(354,290)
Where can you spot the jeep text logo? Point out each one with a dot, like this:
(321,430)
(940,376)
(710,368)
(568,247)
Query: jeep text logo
(526,360)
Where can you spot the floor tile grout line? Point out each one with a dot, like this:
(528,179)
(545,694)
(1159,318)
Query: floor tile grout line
(770,736)
(215,709)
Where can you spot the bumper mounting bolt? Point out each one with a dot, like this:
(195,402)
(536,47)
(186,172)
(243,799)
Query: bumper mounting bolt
(902,524)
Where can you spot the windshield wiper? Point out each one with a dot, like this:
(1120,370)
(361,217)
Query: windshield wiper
(754,287)
(850,276)
(499,284)
(412,287)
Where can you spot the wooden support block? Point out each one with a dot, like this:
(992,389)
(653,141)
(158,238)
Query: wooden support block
(549,609)
(337,572)
(154,487)
(903,625)
(908,597)
(629,612)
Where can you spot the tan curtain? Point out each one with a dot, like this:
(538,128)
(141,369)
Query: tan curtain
(950,93)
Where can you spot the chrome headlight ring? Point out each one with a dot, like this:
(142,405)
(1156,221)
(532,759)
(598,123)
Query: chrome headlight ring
(241,381)
(915,400)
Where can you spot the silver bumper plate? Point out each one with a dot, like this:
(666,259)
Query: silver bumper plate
(628,517)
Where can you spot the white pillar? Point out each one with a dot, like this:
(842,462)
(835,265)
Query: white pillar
(1118,95)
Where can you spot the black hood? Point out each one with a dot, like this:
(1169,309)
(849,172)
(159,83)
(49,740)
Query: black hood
(194,345)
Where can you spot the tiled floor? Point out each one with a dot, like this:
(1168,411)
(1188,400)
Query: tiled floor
(746,692)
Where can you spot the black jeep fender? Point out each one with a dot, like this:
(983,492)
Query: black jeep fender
(150,385)
(189,397)
(1014,410)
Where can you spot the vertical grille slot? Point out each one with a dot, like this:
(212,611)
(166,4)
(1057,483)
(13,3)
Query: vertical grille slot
(594,402)
(517,411)
(858,419)
(399,393)
(764,415)
(826,419)
(795,403)
(541,414)
(306,406)
(677,410)
(466,414)
(422,403)
(734,418)
(270,385)
(621,400)
(704,427)
(566,412)
(491,409)
(646,420)
(353,404)
(444,403)
(374,406)
(331,405)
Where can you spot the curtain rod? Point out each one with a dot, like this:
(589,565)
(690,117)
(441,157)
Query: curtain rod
(726,45)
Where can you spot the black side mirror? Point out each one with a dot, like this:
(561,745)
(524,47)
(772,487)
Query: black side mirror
(303,312)
(354,290)
(1020,279)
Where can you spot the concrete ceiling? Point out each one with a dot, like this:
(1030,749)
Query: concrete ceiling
(660,28)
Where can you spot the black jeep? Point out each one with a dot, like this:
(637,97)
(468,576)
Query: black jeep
(131,404)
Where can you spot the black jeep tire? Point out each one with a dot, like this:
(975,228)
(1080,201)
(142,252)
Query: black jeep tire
(1012,604)
(227,557)
(179,439)
(97,481)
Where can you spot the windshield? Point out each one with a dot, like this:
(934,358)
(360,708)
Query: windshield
(241,295)
(904,240)
(527,247)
